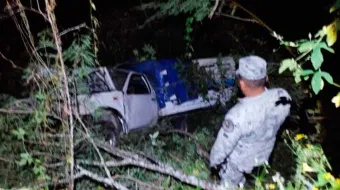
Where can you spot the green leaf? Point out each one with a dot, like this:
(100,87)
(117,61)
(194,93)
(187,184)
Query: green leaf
(335,6)
(307,72)
(24,155)
(93,5)
(317,57)
(328,77)
(30,160)
(155,135)
(287,63)
(321,180)
(22,162)
(297,78)
(306,46)
(40,96)
(316,82)
(36,170)
(326,47)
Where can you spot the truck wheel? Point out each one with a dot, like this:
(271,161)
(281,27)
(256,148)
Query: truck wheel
(112,125)
(180,123)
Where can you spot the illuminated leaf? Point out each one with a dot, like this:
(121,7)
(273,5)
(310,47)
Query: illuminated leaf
(322,85)
(317,57)
(306,46)
(335,6)
(326,47)
(22,162)
(336,100)
(297,75)
(317,82)
(321,180)
(297,78)
(69,159)
(328,77)
(331,32)
(307,72)
(93,6)
(306,168)
(287,63)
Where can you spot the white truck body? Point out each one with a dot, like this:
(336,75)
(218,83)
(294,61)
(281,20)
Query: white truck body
(131,95)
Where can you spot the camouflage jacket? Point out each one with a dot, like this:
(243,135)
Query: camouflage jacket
(248,133)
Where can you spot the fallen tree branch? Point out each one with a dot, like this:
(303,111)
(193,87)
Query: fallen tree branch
(135,160)
(62,181)
(54,165)
(107,181)
(11,111)
(150,186)
(87,135)
(163,168)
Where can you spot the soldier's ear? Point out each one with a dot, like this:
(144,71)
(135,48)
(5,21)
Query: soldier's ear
(242,84)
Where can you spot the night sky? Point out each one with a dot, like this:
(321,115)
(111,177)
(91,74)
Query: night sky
(119,36)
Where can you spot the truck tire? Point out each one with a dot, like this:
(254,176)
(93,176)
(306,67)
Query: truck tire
(180,122)
(112,125)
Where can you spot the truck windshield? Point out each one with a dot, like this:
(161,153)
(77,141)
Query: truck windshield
(118,78)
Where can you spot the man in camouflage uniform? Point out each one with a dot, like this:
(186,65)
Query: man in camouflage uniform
(248,133)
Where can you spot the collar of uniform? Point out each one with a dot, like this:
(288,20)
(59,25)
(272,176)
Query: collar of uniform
(250,99)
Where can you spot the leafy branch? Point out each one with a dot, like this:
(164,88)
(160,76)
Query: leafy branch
(310,51)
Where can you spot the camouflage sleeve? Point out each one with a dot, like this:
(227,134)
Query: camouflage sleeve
(226,140)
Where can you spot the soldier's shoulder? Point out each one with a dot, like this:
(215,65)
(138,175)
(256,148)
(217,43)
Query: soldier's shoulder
(279,92)
(236,111)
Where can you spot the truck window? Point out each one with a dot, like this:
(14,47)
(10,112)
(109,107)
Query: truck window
(118,78)
(137,85)
(96,82)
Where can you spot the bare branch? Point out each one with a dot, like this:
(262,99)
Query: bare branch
(239,18)
(135,160)
(221,7)
(10,61)
(62,181)
(163,168)
(107,181)
(11,111)
(214,9)
(150,186)
(87,135)
(260,22)
(78,27)
(50,6)
(21,10)
(6,160)
(54,165)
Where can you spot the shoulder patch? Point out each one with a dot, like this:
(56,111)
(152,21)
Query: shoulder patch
(283,101)
(228,125)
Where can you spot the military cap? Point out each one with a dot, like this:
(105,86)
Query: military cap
(252,68)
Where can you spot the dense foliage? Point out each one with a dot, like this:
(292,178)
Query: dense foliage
(45,144)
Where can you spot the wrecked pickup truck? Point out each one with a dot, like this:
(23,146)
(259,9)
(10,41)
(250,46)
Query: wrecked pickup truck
(137,95)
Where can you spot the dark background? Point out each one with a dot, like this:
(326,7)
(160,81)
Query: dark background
(119,35)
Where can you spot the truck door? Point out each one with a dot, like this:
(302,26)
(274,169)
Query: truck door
(140,101)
